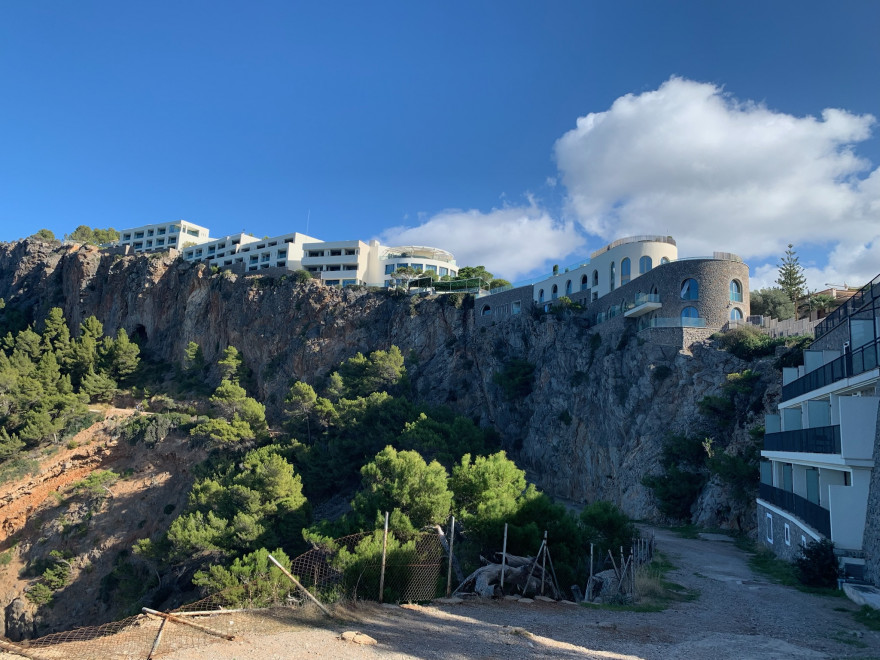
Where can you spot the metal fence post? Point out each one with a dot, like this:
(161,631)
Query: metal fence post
(384,552)
(449,570)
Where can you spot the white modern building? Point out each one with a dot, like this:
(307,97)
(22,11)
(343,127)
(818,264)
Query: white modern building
(162,236)
(250,253)
(818,449)
(336,263)
(341,263)
(608,268)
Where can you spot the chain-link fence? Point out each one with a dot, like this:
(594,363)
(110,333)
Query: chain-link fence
(379,565)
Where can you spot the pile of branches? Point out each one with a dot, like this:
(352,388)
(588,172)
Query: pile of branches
(525,574)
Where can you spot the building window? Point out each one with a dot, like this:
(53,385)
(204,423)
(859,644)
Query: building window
(786,534)
(443,271)
(585,283)
(769,520)
(554,292)
(663,260)
(568,288)
(736,291)
(803,541)
(624,271)
(645,264)
(389,269)
(690,290)
(486,311)
(736,314)
(595,278)
(689,313)
(541,295)
(612,277)
(516,307)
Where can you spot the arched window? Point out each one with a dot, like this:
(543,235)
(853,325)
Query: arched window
(624,271)
(595,278)
(541,295)
(655,290)
(554,292)
(689,313)
(585,283)
(736,291)
(690,290)
(664,260)
(736,314)
(568,288)
(612,277)
(486,311)
(645,264)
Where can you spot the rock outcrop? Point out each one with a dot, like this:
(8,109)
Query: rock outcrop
(591,427)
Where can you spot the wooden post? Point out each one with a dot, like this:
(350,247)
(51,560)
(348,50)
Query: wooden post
(590,580)
(532,570)
(157,640)
(302,588)
(197,626)
(449,570)
(503,557)
(544,563)
(384,552)
(552,571)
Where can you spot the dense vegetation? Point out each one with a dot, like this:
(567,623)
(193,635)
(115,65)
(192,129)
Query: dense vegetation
(358,436)
(47,379)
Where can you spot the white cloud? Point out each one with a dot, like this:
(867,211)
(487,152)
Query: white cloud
(691,161)
(510,241)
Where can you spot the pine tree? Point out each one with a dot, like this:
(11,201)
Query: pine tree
(231,364)
(791,275)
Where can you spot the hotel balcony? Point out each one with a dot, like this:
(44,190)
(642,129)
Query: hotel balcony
(811,513)
(821,440)
(643,304)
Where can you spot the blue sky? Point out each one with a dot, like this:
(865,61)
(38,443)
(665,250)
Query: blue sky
(516,134)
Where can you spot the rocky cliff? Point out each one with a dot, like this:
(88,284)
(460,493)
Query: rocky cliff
(591,426)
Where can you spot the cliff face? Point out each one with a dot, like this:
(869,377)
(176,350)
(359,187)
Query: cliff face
(591,428)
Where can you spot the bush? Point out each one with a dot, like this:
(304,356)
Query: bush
(817,565)
(516,379)
(748,342)
(301,276)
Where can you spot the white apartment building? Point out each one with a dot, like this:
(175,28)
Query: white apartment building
(608,268)
(818,450)
(162,236)
(252,253)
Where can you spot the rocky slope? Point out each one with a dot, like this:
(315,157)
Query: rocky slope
(591,428)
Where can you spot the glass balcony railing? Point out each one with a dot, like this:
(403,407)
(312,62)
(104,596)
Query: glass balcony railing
(811,513)
(862,359)
(819,440)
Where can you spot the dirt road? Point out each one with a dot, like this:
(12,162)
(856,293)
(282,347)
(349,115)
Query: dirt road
(737,615)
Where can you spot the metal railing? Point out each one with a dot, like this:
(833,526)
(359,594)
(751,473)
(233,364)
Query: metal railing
(862,359)
(677,323)
(811,513)
(818,440)
(864,296)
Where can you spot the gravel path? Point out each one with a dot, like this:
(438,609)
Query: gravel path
(737,615)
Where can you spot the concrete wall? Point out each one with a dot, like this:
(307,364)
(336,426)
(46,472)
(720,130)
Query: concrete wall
(500,306)
(776,531)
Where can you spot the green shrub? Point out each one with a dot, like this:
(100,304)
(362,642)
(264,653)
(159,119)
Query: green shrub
(516,378)
(301,276)
(39,594)
(817,565)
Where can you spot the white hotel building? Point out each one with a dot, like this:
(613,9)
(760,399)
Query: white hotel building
(336,263)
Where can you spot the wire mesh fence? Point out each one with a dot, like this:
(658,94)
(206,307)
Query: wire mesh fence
(411,568)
